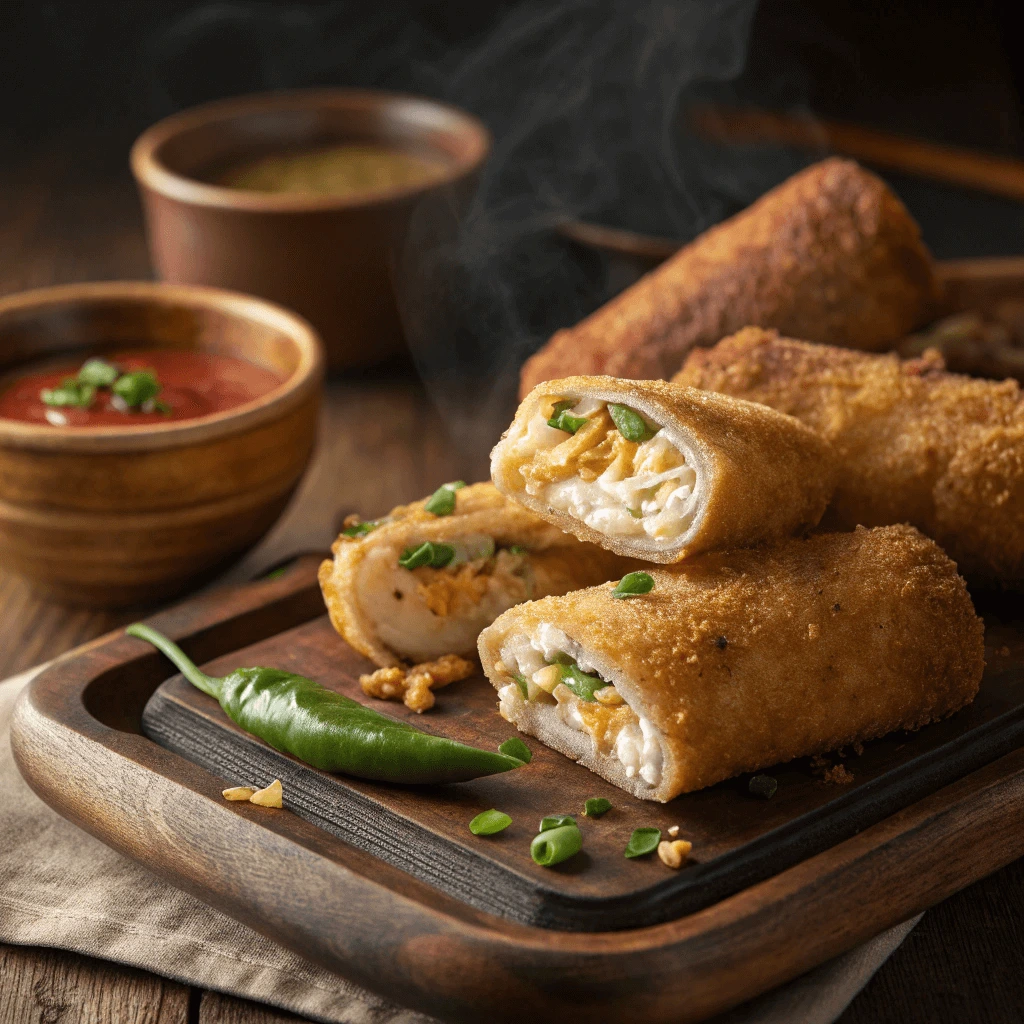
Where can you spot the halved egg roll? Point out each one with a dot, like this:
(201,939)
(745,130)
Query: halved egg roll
(657,471)
(741,660)
(416,585)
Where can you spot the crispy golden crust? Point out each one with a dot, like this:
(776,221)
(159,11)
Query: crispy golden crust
(563,563)
(830,255)
(760,476)
(745,659)
(916,444)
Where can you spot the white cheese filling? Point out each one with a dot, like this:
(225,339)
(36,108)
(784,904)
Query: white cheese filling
(634,505)
(637,744)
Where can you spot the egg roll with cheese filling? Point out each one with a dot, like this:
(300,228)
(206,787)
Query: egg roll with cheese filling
(917,444)
(736,661)
(461,570)
(656,471)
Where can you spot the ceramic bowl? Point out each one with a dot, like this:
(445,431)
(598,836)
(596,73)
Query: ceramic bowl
(329,258)
(113,516)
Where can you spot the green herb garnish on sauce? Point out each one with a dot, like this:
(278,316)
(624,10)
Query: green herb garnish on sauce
(562,419)
(99,373)
(136,388)
(73,393)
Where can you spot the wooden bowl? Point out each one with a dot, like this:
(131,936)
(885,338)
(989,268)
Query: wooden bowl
(112,516)
(327,257)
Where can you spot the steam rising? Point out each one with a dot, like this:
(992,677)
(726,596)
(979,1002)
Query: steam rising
(586,100)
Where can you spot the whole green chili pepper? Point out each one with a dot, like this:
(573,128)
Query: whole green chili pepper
(329,731)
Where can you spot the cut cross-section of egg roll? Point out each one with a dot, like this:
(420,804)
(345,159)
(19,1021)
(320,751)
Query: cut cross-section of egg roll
(657,471)
(917,444)
(741,660)
(484,556)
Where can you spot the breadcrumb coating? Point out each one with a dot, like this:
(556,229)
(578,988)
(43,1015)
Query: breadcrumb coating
(830,254)
(760,476)
(550,561)
(916,444)
(719,659)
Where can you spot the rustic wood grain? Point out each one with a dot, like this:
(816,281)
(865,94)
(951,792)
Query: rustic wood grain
(49,986)
(737,839)
(63,221)
(220,1009)
(81,720)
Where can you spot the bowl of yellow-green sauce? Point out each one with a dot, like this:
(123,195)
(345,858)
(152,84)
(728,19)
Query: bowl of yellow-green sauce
(311,199)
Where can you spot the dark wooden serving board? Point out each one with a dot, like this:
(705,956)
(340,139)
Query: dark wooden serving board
(737,839)
(386,885)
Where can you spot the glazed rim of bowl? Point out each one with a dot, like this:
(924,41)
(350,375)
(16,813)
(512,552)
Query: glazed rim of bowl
(305,378)
(472,144)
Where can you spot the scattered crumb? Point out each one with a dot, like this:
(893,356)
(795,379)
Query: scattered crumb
(834,774)
(858,748)
(270,796)
(673,854)
(674,831)
(237,793)
(415,686)
(812,631)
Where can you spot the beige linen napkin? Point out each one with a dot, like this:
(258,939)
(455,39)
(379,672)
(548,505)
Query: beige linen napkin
(60,887)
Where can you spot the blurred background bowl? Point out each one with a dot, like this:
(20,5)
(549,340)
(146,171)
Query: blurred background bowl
(327,257)
(113,516)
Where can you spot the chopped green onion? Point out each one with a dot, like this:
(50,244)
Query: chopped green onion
(162,407)
(524,687)
(763,786)
(360,529)
(555,845)
(596,806)
(136,387)
(487,823)
(562,419)
(515,747)
(437,556)
(632,426)
(643,841)
(556,821)
(99,373)
(517,549)
(633,584)
(276,574)
(442,501)
(72,392)
(583,685)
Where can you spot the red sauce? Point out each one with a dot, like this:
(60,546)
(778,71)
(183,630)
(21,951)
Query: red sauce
(192,384)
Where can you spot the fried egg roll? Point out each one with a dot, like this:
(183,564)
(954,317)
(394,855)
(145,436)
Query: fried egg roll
(830,255)
(485,556)
(737,661)
(660,472)
(916,444)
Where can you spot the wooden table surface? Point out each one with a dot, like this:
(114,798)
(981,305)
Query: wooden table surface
(382,443)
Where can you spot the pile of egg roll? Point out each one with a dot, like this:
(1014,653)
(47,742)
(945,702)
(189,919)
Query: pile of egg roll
(781,501)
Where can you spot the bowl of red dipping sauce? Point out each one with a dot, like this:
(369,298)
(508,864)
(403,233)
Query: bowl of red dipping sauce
(149,434)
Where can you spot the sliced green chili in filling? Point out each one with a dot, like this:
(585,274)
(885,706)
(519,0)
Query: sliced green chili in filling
(581,684)
(631,425)
(562,419)
(437,556)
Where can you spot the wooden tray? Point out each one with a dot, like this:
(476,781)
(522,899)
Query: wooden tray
(812,872)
